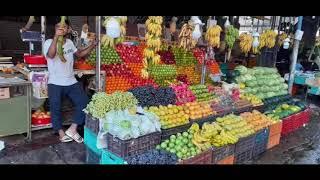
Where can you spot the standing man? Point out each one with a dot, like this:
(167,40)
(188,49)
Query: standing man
(62,82)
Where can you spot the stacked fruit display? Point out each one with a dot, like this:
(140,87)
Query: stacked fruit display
(197,110)
(101,103)
(254,100)
(153,157)
(257,119)
(129,53)
(150,96)
(108,56)
(135,68)
(167,57)
(213,67)
(261,81)
(211,134)
(181,145)
(285,110)
(192,76)
(183,78)
(201,92)
(183,94)
(163,74)
(236,126)
(199,54)
(183,57)
(170,116)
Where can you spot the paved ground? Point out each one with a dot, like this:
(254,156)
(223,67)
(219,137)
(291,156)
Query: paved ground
(300,147)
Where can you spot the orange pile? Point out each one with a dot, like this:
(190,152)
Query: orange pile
(214,67)
(197,110)
(116,83)
(135,68)
(192,75)
(257,119)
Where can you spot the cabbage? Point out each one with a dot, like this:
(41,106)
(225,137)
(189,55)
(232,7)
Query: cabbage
(251,83)
(270,94)
(241,69)
(281,80)
(285,86)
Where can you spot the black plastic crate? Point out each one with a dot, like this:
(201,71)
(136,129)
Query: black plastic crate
(245,144)
(92,157)
(243,157)
(261,143)
(92,124)
(222,152)
(166,133)
(238,111)
(125,148)
(201,121)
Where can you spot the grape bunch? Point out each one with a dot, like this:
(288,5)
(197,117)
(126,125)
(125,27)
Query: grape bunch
(153,157)
(149,96)
(108,56)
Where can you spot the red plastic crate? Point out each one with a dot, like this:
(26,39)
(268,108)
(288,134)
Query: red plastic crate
(35,59)
(40,121)
(288,125)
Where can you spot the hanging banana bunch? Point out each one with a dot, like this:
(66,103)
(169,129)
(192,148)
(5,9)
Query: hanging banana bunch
(185,37)
(213,36)
(153,42)
(267,39)
(281,39)
(245,42)
(231,36)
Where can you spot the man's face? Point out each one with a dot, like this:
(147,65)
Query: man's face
(64,28)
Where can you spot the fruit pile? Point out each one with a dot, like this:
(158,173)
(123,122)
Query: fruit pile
(150,96)
(201,92)
(192,76)
(41,115)
(257,119)
(167,57)
(285,110)
(101,103)
(235,125)
(153,157)
(183,78)
(108,56)
(251,98)
(213,67)
(170,116)
(129,53)
(181,145)
(135,68)
(163,74)
(83,65)
(197,110)
(199,54)
(183,57)
(116,70)
(136,81)
(211,134)
(183,94)
(117,83)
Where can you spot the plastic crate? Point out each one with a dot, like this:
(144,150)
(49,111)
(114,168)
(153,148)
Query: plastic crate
(302,118)
(314,90)
(92,157)
(228,160)
(260,108)
(243,109)
(166,133)
(300,80)
(35,59)
(261,142)
(221,153)
(288,125)
(275,128)
(202,158)
(90,140)
(273,140)
(125,148)
(306,115)
(201,121)
(244,144)
(108,157)
(92,124)
(243,157)
(224,112)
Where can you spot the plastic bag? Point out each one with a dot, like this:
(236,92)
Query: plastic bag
(113,28)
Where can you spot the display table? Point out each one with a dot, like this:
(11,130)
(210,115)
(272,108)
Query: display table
(16,110)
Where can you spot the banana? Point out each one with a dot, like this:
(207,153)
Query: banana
(245,42)
(213,36)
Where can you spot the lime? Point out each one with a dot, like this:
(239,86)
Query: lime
(185,134)
(185,141)
(178,148)
(158,147)
(184,150)
(168,149)
(173,151)
(198,151)
(188,154)
(167,141)
(179,134)
(179,154)
(163,145)
(173,137)
(193,153)
(171,145)
(178,142)
(190,144)
(190,136)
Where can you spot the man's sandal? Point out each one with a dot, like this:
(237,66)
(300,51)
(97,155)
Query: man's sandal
(76,137)
(66,139)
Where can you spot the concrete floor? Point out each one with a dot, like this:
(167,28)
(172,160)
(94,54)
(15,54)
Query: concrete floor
(300,147)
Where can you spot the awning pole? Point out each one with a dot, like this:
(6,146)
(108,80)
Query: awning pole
(98,53)
(294,56)
(43,31)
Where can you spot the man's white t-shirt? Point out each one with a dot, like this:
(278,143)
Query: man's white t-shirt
(61,73)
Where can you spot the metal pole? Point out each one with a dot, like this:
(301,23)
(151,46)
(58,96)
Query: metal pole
(98,53)
(294,56)
(43,31)
(204,69)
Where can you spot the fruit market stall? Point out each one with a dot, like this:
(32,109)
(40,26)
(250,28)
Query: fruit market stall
(155,110)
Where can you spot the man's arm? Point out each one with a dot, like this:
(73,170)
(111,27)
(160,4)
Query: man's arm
(53,48)
(84,52)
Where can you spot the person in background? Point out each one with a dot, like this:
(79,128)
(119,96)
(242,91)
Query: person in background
(62,83)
